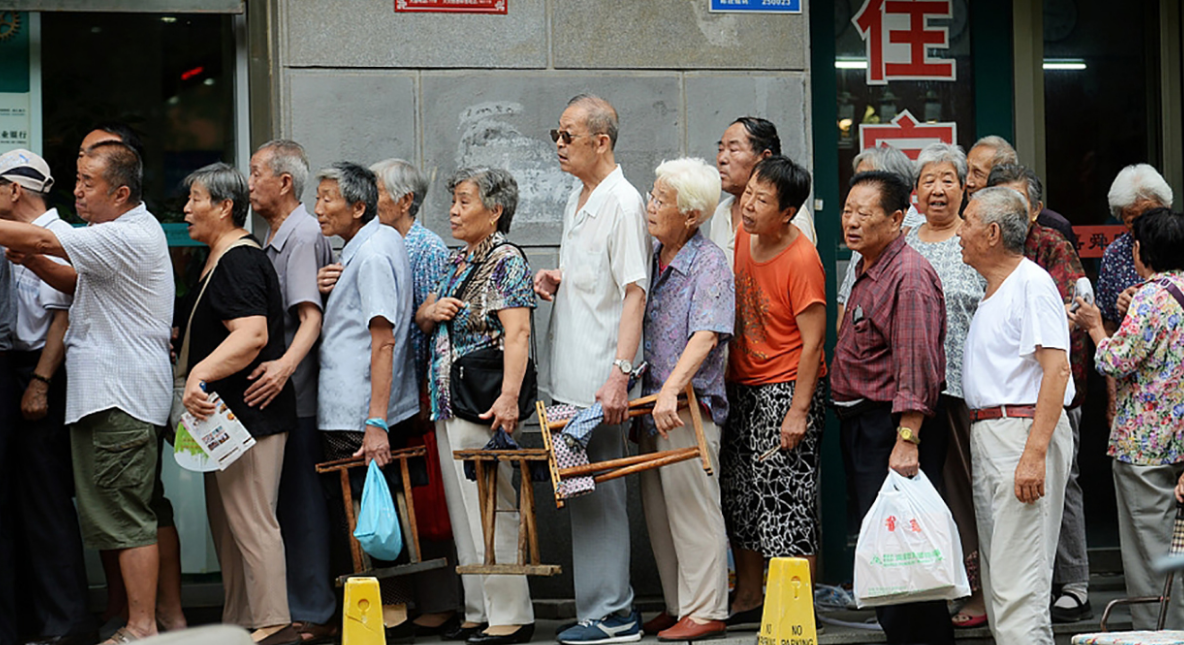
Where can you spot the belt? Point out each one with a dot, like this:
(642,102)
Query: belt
(1010,411)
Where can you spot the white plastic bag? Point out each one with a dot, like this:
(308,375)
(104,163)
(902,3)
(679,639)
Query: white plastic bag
(909,549)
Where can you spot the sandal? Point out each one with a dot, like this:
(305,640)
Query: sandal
(968,620)
(285,636)
(121,636)
(313,633)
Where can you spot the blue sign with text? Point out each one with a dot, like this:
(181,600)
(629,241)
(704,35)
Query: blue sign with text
(757,6)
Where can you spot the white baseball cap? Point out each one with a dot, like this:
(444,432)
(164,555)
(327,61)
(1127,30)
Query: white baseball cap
(26,168)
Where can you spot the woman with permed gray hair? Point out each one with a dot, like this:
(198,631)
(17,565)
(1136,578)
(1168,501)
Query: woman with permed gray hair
(482,303)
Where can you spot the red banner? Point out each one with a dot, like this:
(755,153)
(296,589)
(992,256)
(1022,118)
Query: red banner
(899,36)
(906,134)
(451,6)
(1093,240)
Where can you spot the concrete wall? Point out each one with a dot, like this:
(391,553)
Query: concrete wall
(357,81)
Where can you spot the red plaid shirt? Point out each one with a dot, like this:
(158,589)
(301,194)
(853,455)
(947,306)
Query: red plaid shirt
(1049,249)
(891,346)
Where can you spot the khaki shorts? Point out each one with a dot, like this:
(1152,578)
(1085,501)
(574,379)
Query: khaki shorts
(117,480)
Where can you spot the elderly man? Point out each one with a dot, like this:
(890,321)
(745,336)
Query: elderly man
(595,338)
(117,352)
(744,143)
(1051,252)
(46,523)
(992,150)
(888,370)
(1015,375)
(888,159)
(293,242)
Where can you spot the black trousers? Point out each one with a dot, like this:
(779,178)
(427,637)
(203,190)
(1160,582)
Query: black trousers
(868,439)
(303,514)
(52,596)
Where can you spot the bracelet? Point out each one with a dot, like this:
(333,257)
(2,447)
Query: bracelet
(44,379)
(378,422)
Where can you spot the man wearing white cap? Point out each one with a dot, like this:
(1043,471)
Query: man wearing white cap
(46,534)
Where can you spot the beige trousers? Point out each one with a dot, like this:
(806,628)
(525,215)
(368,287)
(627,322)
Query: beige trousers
(1146,516)
(240,502)
(500,599)
(1017,542)
(686,524)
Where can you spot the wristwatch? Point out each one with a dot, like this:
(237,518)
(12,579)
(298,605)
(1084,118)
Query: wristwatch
(624,365)
(908,435)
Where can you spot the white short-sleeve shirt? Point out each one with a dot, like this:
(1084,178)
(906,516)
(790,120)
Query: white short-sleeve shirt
(724,235)
(999,366)
(35,300)
(117,347)
(605,248)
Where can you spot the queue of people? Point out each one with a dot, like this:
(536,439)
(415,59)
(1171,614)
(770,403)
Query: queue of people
(961,353)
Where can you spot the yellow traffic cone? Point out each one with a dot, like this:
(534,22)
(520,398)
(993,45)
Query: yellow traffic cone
(789,604)
(362,614)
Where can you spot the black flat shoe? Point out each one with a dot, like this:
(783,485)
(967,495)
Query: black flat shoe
(459,632)
(745,620)
(404,632)
(439,630)
(521,635)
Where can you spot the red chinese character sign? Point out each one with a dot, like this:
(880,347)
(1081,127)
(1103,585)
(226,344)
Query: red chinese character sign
(451,6)
(899,36)
(906,134)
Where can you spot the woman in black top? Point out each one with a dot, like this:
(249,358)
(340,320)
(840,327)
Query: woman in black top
(235,322)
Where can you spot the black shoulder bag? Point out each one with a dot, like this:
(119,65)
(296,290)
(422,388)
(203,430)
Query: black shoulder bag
(475,380)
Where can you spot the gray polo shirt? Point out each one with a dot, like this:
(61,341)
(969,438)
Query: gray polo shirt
(7,306)
(297,251)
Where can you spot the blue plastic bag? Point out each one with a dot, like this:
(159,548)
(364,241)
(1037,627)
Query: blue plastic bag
(378,529)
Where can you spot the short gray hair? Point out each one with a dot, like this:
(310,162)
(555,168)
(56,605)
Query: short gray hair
(495,187)
(356,184)
(940,153)
(1004,153)
(288,157)
(1009,173)
(223,182)
(696,182)
(1135,182)
(888,159)
(600,116)
(401,178)
(1007,208)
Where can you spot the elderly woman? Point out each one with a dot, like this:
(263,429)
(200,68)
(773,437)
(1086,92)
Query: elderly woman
(1146,358)
(891,160)
(940,182)
(773,439)
(688,319)
(483,301)
(230,323)
(366,388)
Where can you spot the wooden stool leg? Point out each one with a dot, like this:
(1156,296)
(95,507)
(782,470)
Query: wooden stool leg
(697,423)
(347,498)
(526,510)
(409,497)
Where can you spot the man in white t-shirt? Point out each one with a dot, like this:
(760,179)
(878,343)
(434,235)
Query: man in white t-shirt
(117,354)
(743,145)
(1016,379)
(595,339)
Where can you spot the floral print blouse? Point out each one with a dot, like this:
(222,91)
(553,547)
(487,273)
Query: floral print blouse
(1146,356)
(502,280)
(963,288)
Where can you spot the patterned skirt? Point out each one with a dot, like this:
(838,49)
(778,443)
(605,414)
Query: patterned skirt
(771,506)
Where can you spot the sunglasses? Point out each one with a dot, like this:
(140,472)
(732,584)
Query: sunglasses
(556,135)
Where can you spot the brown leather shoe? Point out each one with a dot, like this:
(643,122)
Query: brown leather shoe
(659,623)
(689,630)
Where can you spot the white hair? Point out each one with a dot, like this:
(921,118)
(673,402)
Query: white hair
(1004,153)
(1136,182)
(941,153)
(1008,208)
(695,181)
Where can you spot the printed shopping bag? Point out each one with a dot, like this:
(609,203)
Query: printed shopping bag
(909,549)
(378,529)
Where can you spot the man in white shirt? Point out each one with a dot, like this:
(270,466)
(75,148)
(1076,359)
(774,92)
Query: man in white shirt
(46,523)
(595,339)
(743,145)
(1016,380)
(117,353)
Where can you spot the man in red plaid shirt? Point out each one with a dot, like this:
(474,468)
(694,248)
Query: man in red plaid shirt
(888,370)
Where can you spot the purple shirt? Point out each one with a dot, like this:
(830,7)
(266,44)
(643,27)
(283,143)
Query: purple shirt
(695,293)
(1115,275)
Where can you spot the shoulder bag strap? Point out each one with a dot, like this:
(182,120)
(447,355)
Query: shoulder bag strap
(464,285)
(1172,289)
(182,368)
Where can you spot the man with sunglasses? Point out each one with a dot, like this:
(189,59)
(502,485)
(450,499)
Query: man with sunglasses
(595,336)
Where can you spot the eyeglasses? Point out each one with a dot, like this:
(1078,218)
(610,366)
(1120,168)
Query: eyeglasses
(556,135)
